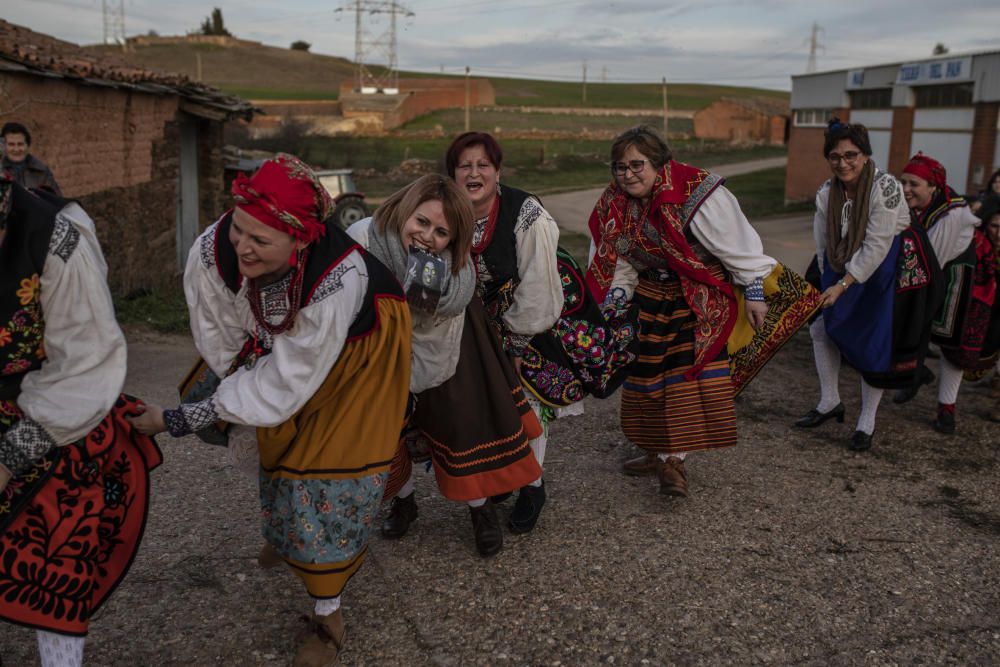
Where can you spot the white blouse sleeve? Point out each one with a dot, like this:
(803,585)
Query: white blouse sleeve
(214,310)
(721,227)
(538,300)
(819,224)
(85,354)
(300,360)
(887,217)
(953,234)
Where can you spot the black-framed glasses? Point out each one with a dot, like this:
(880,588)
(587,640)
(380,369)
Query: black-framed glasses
(850,157)
(635,166)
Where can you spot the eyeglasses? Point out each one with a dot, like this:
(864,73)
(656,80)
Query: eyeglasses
(849,157)
(635,166)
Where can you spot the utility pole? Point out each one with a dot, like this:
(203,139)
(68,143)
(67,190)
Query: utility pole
(372,46)
(467,96)
(664,108)
(813,46)
(114,21)
(584,81)
(604,74)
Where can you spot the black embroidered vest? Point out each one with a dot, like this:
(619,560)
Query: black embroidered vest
(324,256)
(500,257)
(25,246)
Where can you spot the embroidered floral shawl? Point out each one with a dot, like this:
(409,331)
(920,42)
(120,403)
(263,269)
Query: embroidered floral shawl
(678,192)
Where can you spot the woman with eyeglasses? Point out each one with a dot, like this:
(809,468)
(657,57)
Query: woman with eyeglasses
(672,239)
(966,256)
(880,283)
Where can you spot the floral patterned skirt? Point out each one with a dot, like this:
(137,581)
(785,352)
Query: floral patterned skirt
(70,528)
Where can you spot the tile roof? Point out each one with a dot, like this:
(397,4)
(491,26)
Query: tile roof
(29,52)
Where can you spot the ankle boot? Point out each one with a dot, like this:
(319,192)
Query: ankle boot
(486,526)
(269,557)
(528,507)
(323,641)
(402,513)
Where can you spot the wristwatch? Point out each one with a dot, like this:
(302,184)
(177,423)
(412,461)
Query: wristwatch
(843,283)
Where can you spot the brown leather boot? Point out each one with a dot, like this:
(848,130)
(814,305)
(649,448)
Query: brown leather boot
(640,466)
(995,415)
(323,642)
(673,477)
(995,385)
(269,557)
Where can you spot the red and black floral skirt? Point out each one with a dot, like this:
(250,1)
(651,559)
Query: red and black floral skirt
(70,528)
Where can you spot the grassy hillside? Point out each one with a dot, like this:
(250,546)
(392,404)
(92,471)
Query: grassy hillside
(452,121)
(267,72)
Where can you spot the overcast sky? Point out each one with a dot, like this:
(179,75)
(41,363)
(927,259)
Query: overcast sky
(749,42)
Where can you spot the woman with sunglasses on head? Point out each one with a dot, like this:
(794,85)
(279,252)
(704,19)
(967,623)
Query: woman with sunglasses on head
(879,280)
(311,337)
(966,258)
(672,239)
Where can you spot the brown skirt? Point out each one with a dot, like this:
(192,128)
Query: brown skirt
(479,422)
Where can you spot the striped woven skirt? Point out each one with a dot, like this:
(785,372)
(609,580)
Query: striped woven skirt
(661,411)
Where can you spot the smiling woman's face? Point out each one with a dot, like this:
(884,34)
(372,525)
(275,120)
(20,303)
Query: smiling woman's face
(263,252)
(427,228)
(475,174)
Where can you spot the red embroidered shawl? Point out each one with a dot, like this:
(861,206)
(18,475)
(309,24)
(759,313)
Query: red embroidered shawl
(678,192)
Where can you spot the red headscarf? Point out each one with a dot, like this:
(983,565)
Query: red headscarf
(929,169)
(286,195)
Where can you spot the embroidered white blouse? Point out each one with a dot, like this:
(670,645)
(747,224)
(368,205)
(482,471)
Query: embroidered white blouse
(280,383)
(722,228)
(887,217)
(953,233)
(85,354)
(538,299)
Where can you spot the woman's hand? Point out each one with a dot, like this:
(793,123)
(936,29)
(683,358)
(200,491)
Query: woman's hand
(831,294)
(149,421)
(756,312)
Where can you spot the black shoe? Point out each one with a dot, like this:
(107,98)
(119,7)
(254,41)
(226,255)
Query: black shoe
(486,525)
(860,442)
(500,497)
(402,513)
(814,417)
(530,500)
(908,393)
(944,423)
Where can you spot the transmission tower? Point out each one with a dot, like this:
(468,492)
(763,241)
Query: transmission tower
(114,21)
(813,46)
(375,42)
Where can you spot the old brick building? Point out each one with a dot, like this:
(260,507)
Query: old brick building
(945,106)
(743,120)
(141,150)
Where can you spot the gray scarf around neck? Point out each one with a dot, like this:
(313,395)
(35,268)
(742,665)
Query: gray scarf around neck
(458,289)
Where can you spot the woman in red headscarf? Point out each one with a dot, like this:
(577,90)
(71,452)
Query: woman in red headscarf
(966,256)
(308,332)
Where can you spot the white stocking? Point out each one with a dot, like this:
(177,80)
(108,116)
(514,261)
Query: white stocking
(680,455)
(59,650)
(327,607)
(827,357)
(870,397)
(478,502)
(949,382)
(408,488)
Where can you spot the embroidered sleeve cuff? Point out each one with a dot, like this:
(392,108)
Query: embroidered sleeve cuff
(24,444)
(755,290)
(190,417)
(514,344)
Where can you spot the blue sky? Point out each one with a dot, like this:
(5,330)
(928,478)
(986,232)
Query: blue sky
(748,42)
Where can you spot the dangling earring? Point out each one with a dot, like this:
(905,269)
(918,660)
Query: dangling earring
(295,258)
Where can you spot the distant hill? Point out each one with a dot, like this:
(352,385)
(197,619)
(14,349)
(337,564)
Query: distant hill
(263,72)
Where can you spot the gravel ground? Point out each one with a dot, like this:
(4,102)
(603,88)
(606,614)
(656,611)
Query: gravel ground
(789,550)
